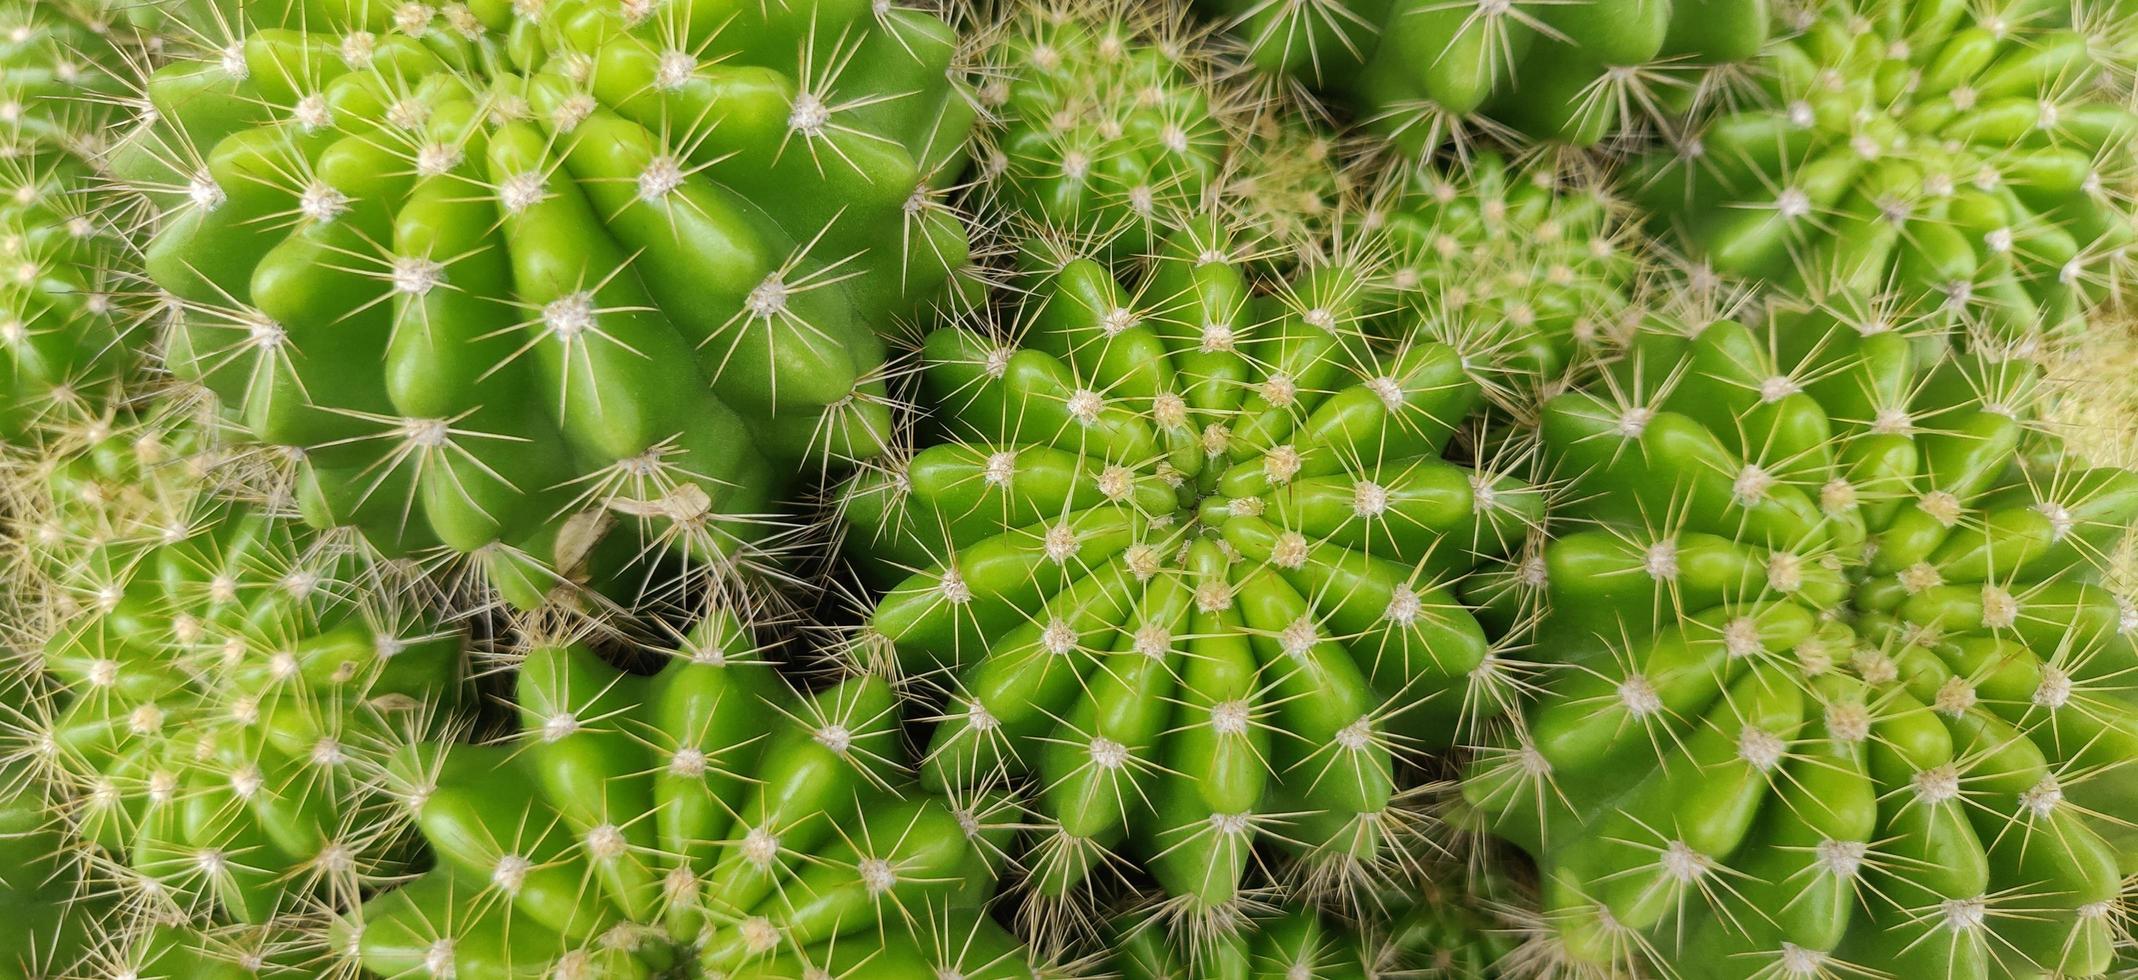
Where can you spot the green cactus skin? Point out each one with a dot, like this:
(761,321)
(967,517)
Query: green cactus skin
(1422,72)
(1177,555)
(1522,267)
(1413,932)
(218,691)
(1971,157)
(702,821)
(63,71)
(505,273)
(1843,692)
(1104,122)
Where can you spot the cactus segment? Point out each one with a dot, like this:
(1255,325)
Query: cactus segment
(506,275)
(1843,690)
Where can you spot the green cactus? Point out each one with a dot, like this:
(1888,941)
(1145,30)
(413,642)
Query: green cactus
(1425,72)
(701,821)
(1105,120)
(59,918)
(1176,557)
(1412,931)
(505,274)
(1841,689)
(64,72)
(1522,267)
(217,691)
(1974,157)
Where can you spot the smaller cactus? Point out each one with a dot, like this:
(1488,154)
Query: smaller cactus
(704,820)
(1104,122)
(1974,158)
(1175,557)
(1522,267)
(1420,936)
(217,689)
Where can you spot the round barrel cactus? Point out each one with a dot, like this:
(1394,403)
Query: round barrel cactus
(1422,72)
(703,820)
(217,691)
(1175,556)
(1841,690)
(1971,157)
(65,70)
(503,275)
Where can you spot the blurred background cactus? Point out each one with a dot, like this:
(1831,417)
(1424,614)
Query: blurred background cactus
(67,338)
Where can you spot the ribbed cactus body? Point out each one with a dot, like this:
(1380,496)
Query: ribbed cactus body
(506,274)
(64,74)
(1972,158)
(217,690)
(701,821)
(1420,72)
(1842,689)
(1176,553)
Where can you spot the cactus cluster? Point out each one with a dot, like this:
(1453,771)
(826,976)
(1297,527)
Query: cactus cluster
(1841,689)
(1048,489)
(500,276)
(1971,157)
(65,69)
(215,690)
